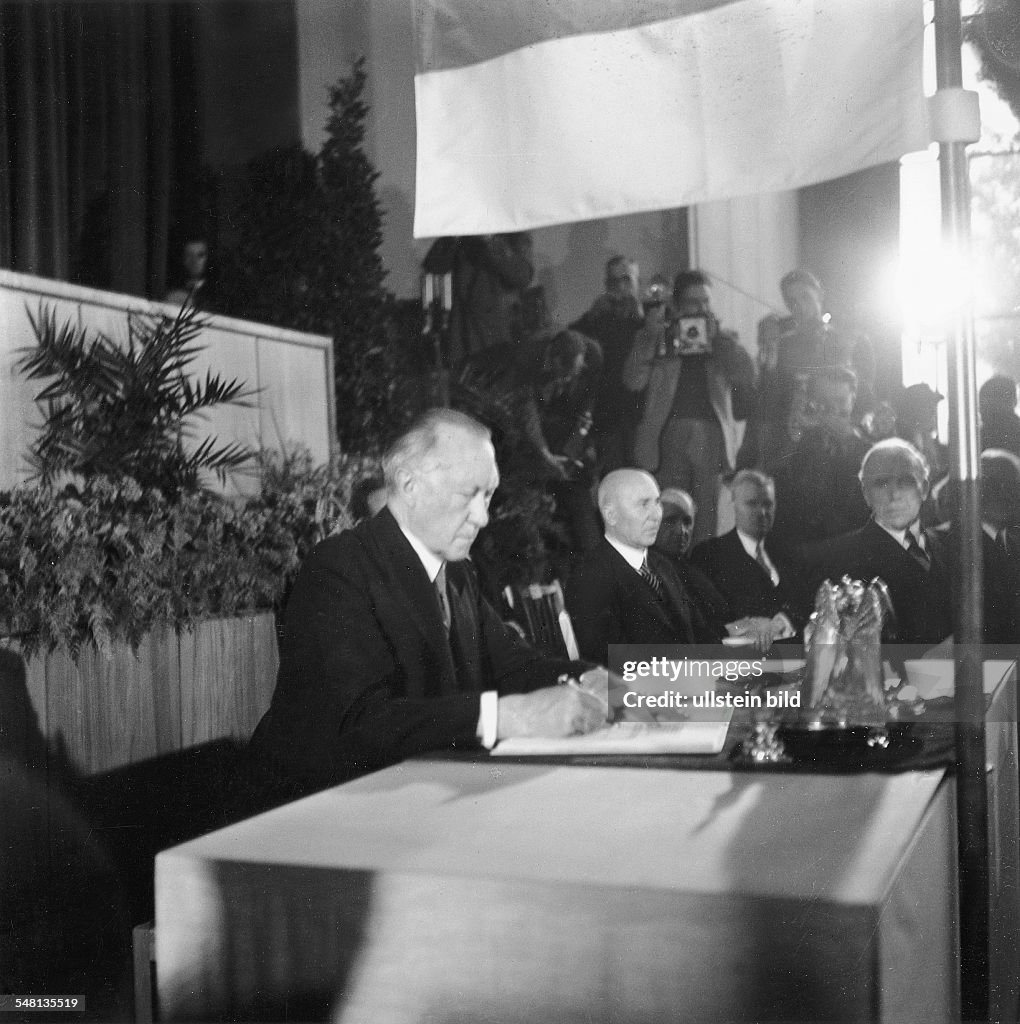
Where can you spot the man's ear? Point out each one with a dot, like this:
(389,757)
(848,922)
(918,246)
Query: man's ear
(406,484)
(608,515)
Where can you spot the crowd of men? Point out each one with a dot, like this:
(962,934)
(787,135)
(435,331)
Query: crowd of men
(390,647)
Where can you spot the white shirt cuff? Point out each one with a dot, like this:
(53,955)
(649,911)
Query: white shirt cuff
(488,718)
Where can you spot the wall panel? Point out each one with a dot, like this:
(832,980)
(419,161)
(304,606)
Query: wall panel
(295,384)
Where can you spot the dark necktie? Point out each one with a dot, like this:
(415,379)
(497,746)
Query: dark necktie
(444,598)
(916,552)
(760,558)
(651,579)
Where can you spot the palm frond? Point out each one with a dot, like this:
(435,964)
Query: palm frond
(123,407)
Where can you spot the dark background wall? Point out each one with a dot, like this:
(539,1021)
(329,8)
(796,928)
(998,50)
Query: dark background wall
(246,68)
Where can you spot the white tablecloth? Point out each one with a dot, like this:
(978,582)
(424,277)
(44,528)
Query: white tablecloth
(445,891)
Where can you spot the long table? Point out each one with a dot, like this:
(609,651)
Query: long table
(446,891)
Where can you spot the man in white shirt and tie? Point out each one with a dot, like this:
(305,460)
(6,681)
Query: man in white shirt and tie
(389,648)
(1000,519)
(893,546)
(762,584)
(625,591)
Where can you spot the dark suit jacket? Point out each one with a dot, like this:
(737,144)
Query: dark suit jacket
(1000,589)
(818,494)
(747,587)
(922,600)
(367,674)
(609,603)
(703,593)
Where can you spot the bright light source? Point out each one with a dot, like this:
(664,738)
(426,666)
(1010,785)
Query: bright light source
(934,286)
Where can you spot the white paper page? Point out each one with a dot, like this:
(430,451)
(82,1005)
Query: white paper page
(630,738)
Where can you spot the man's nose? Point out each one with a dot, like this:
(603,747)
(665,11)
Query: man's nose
(478,511)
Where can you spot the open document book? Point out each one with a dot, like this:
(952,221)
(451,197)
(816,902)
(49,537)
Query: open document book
(690,737)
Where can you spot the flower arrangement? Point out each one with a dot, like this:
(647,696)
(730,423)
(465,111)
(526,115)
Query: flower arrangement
(115,535)
(107,561)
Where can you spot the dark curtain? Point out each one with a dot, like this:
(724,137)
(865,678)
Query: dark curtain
(96,132)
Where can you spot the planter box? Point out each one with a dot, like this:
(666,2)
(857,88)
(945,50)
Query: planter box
(104,762)
(93,715)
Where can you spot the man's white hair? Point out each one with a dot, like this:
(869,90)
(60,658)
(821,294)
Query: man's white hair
(411,450)
(897,446)
(752,476)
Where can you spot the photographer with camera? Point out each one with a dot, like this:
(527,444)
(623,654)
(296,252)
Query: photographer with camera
(557,375)
(698,383)
(791,351)
(613,320)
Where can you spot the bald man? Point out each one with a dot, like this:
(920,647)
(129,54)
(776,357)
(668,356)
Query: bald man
(626,592)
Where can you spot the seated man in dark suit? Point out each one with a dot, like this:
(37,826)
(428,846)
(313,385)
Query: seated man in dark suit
(390,650)
(1000,516)
(626,592)
(676,532)
(892,545)
(761,583)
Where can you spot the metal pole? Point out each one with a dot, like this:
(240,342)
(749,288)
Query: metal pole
(971,792)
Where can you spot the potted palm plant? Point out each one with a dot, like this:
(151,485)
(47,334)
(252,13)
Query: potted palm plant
(139,603)
(124,409)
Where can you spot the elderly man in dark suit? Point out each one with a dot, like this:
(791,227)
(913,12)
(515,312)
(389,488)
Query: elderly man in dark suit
(892,545)
(389,649)
(676,531)
(1000,524)
(761,583)
(626,592)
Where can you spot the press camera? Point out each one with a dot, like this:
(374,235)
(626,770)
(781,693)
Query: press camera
(688,336)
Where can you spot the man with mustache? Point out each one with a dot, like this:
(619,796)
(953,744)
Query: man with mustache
(389,648)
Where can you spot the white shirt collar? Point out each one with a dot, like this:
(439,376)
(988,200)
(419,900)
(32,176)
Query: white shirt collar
(432,563)
(900,536)
(990,530)
(634,557)
(750,543)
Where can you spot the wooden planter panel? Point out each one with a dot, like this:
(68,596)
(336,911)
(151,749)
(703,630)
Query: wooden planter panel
(105,713)
(94,715)
(240,654)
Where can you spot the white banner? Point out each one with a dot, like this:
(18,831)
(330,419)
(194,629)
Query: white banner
(591,112)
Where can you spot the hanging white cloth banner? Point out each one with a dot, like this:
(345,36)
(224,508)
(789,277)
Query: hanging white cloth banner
(536,112)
